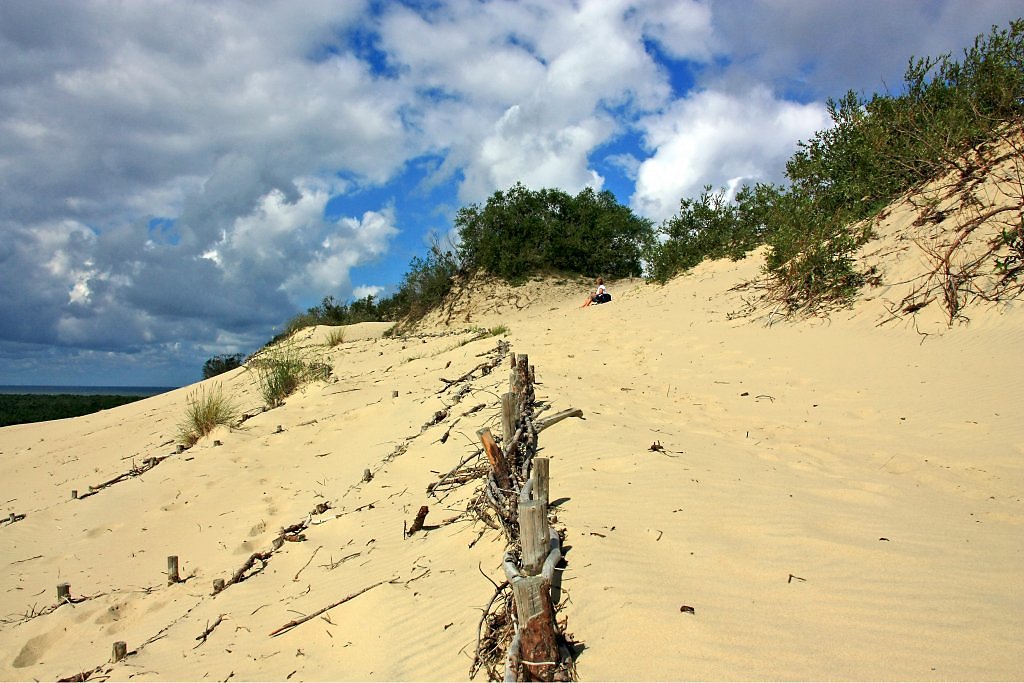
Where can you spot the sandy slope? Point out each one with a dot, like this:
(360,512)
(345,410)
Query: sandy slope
(834,499)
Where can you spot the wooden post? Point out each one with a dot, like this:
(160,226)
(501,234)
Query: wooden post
(63,593)
(536,617)
(394,393)
(541,480)
(172,570)
(533,535)
(496,458)
(74,494)
(180,448)
(367,475)
(508,402)
(120,650)
(218,586)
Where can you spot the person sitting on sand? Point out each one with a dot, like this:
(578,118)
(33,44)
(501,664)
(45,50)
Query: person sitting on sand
(600,296)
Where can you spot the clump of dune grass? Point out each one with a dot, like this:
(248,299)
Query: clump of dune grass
(336,336)
(282,369)
(205,409)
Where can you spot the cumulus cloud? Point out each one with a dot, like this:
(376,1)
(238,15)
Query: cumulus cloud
(718,139)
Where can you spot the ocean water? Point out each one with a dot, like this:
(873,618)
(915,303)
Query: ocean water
(82,391)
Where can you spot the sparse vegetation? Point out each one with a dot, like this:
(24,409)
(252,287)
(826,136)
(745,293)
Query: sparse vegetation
(206,408)
(282,368)
(335,337)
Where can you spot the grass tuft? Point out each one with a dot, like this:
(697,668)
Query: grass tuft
(282,369)
(205,409)
(336,337)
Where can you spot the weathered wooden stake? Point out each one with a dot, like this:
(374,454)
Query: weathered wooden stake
(417,523)
(533,534)
(508,403)
(541,480)
(394,393)
(13,518)
(63,593)
(218,586)
(120,650)
(180,448)
(74,494)
(172,570)
(367,475)
(217,442)
(536,617)
(496,458)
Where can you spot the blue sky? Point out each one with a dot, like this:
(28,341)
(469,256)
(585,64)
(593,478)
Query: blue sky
(178,179)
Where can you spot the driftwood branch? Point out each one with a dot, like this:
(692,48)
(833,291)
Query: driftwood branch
(541,425)
(296,622)
(209,629)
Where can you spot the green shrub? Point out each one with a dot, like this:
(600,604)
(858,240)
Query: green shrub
(218,365)
(520,232)
(282,369)
(205,409)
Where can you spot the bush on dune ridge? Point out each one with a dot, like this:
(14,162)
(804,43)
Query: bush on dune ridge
(876,149)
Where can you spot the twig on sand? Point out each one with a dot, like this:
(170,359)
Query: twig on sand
(297,622)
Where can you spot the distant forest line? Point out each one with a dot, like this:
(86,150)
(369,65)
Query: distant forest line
(26,408)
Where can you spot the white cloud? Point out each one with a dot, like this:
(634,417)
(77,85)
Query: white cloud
(715,138)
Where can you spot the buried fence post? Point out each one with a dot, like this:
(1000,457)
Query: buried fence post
(538,646)
(172,570)
(541,480)
(496,458)
(63,593)
(120,650)
(533,534)
(508,403)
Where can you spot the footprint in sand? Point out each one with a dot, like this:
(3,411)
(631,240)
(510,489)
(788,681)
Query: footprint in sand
(33,650)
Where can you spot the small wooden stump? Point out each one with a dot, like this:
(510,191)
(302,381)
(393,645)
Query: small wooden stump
(63,593)
(367,475)
(537,639)
(217,442)
(120,650)
(74,494)
(218,586)
(180,448)
(279,429)
(394,394)
(417,523)
(172,570)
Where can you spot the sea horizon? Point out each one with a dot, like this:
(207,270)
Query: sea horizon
(83,390)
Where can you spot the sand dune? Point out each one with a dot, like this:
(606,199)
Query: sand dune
(834,497)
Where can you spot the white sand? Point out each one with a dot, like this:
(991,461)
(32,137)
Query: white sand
(836,499)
